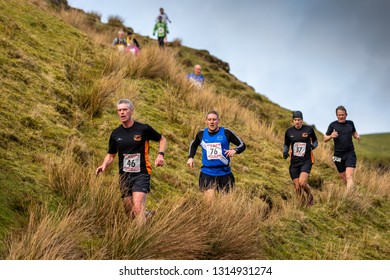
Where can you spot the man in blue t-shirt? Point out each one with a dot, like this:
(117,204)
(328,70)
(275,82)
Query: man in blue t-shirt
(344,157)
(196,77)
(216,173)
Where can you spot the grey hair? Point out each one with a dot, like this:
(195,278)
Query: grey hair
(125,101)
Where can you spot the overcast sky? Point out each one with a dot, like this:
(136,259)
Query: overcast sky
(307,55)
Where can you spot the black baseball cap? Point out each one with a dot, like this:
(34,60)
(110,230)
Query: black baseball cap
(297,114)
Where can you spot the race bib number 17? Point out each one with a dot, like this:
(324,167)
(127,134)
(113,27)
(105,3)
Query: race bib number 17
(132,163)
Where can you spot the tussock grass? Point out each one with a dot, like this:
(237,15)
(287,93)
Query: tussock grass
(95,226)
(99,97)
(65,176)
(172,233)
(177,42)
(152,63)
(376,180)
(48,236)
(116,21)
(89,24)
(342,201)
(343,250)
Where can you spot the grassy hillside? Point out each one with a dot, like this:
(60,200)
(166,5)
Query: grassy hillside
(375,148)
(45,65)
(60,81)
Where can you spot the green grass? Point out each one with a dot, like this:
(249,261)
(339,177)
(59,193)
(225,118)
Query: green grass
(375,148)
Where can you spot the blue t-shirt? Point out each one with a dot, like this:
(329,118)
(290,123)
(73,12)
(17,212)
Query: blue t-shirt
(199,79)
(214,146)
(213,153)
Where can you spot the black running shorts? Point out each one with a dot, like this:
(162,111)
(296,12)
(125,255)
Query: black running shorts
(134,182)
(344,161)
(296,170)
(220,183)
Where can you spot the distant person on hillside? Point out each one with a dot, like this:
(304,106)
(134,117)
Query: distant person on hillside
(302,140)
(164,16)
(162,30)
(120,41)
(165,19)
(344,157)
(132,45)
(196,77)
(216,174)
(131,142)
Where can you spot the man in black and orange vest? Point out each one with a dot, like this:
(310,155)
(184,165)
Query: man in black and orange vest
(131,141)
(302,140)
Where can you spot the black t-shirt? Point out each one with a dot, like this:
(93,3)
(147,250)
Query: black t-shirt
(132,146)
(300,140)
(343,143)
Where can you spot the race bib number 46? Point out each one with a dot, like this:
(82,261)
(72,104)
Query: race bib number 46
(132,163)
(214,151)
(299,149)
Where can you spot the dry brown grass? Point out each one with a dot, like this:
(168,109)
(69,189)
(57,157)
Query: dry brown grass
(231,112)
(188,228)
(323,153)
(151,63)
(83,22)
(95,100)
(344,250)
(96,227)
(377,181)
(49,236)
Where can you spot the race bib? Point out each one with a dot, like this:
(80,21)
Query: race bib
(214,151)
(336,159)
(132,163)
(299,149)
(161,30)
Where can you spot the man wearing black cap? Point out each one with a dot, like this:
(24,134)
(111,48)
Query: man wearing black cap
(302,140)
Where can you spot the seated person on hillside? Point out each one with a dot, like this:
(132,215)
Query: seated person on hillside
(132,45)
(120,41)
(196,77)
(131,38)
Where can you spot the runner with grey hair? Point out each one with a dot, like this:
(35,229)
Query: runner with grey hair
(131,142)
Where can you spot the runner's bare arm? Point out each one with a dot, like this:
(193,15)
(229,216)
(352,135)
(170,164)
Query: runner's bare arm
(356,136)
(161,150)
(106,162)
